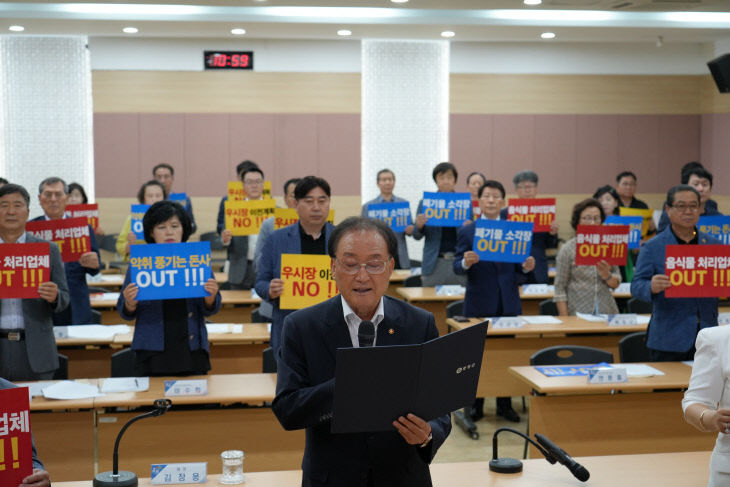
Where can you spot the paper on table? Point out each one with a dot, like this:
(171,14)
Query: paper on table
(688,362)
(126,384)
(105,296)
(450,289)
(538,289)
(593,318)
(68,389)
(623,288)
(96,331)
(642,320)
(34,388)
(541,319)
(723,319)
(639,370)
(224,328)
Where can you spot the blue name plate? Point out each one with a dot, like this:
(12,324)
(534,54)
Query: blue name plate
(568,370)
(179,473)
(190,387)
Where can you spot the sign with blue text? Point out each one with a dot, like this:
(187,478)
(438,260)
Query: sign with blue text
(502,240)
(167,271)
(446,209)
(178,197)
(717,226)
(634,222)
(138,212)
(396,215)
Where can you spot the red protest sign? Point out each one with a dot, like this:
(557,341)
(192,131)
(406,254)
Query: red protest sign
(89,211)
(539,211)
(595,243)
(16,453)
(23,267)
(697,271)
(70,234)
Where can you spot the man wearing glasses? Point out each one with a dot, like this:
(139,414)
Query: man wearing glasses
(307,236)
(675,322)
(362,252)
(165,174)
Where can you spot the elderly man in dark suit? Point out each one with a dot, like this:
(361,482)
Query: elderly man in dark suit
(27,345)
(362,252)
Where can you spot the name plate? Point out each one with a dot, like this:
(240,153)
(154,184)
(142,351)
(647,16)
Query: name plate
(607,375)
(450,290)
(723,319)
(537,289)
(626,319)
(179,473)
(192,387)
(507,322)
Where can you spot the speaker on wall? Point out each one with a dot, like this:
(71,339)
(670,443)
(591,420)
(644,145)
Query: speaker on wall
(720,69)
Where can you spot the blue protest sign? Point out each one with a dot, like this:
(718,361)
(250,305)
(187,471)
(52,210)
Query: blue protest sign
(717,226)
(634,222)
(174,270)
(502,240)
(138,212)
(178,197)
(446,209)
(396,215)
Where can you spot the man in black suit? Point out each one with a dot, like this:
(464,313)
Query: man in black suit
(362,253)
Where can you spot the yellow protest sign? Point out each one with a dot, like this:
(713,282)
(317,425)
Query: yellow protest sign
(307,280)
(237,193)
(645,214)
(283,217)
(246,217)
(267,190)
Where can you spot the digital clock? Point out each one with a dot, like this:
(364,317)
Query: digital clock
(228,60)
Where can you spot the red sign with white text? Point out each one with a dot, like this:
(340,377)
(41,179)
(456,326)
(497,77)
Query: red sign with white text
(89,211)
(539,211)
(70,234)
(16,453)
(697,271)
(23,267)
(594,243)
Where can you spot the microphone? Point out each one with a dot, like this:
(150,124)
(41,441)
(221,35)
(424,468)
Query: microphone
(578,470)
(366,334)
(512,465)
(115,478)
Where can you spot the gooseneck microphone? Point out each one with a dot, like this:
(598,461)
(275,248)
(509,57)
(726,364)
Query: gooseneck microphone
(115,478)
(366,334)
(578,470)
(511,465)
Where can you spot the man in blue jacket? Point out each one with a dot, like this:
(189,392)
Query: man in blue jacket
(675,322)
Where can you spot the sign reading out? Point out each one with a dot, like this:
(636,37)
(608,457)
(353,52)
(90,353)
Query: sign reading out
(307,279)
(89,211)
(246,217)
(502,241)
(171,270)
(138,212)
(70,234)
(283,217)
(16,454)
(697,271)
(644,214)
(539,211)
(717,226)
(396,215)
(595,243)
(446,209)
(634,222)
(237,193)
(23,267)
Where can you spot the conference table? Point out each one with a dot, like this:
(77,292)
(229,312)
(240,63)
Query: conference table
(643,415)
(663,469)
(233,352)
(76,437)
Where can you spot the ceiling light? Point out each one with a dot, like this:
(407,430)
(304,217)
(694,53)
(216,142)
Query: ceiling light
(16,28)
(344,32)
(238,32)
(448,33)
(548,35)
(532,2)
(130,30)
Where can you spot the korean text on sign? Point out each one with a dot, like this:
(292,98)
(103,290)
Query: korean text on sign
(634,222)
(446,209)
(90,211)
(539,211)
(138,212)
(307,280)
(595,243)
(237,193)
(283,217)
(16,455)
(396,215)
(70,234)
(717,226)
(23,267)
(246,217)
(174,270)
(502,241)
(645,214)
(697,271)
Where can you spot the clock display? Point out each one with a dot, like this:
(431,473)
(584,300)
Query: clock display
(228,60)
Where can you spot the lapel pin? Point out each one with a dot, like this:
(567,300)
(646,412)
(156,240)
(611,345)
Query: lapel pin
(391,331)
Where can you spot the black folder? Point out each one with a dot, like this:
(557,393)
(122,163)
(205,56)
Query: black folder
(376,385)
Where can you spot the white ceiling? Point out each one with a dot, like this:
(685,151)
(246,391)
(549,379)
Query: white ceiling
(694,21)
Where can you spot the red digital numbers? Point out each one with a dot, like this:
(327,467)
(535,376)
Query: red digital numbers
(228,60)
(239,60)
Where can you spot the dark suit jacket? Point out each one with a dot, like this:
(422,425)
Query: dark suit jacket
(491,287)
(78,311)
(237,248)
(304,396)
(540,242)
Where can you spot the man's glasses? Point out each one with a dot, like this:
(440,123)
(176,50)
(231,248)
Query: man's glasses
(371,266)
(681,207)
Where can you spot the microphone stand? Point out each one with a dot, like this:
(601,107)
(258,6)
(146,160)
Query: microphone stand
(115,478)
(512,465)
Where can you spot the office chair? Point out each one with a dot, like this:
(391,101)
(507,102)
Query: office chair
(632,348)
(635,305)
(455,309)
(548,307)
(61,372)
(412,281)
(122,363)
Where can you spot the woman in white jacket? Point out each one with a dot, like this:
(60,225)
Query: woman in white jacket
(706,403)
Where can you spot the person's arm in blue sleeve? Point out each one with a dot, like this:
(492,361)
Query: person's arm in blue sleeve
(463,244)
(643,273)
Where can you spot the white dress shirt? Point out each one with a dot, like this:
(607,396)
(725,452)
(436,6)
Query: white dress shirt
(353,321)
(11,314)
